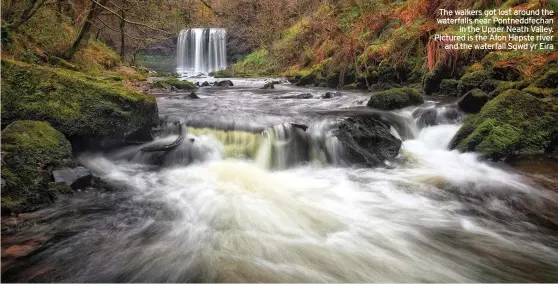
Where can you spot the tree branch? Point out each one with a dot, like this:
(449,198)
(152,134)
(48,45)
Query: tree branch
(127,21)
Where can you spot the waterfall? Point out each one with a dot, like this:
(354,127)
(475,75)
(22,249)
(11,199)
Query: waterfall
(201,50)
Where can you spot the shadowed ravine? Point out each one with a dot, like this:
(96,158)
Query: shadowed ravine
(244,208)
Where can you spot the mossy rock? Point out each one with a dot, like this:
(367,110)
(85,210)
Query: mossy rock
(432,80)
(513,113)
(473,101)
(226,73)
(82,107)
(508,85)
(387,73)
(448,87)
(173,83)
(395,98)
(30,149)
(548,80)
(538,92)
(472,80)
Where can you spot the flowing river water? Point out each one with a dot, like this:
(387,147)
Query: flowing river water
(233,205)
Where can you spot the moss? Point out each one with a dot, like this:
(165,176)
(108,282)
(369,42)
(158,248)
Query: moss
(508,85)
(169,83)
(351,86)
(538,92)
(395,98)
(29,150)
(95,57)
(548,80)
(165,74)
(510,113)
(472,80)
(228,73)
(72,102)
(448,87)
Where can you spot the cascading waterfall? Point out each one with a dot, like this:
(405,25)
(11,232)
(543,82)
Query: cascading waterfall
(201,50)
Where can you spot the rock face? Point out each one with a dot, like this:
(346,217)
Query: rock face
(224,83)
(473,101)
(30,150)
(83,108)
(76,178)
(367,140)
(513,122)
(395,98)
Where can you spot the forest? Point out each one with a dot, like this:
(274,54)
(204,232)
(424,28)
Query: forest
(276,141)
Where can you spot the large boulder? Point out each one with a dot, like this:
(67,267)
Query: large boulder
(224,83)
(76,178)
(473,101)
(30,150)
(85,109)
(512,123)
(367,140)
(472,80)
(395,98)
(448,87)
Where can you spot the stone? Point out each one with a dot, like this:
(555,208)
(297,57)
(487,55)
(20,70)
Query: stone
(299,96)
(78,177)
(329,95)
(224,83)
(473,101)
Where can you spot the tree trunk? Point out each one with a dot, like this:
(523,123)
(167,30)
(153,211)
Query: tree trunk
(122,34)
(85,29)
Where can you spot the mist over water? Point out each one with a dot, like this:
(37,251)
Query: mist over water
(242,208)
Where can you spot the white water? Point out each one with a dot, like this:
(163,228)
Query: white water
(429,219)
(201,50)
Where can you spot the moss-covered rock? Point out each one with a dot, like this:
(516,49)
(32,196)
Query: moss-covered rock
(173,83)
(448,87)
(431,81)
(508,85)
(472,80)
(510,115)
(538,92)
(473,101)
(29,150)
(84,108)
(395,98)
(548,80)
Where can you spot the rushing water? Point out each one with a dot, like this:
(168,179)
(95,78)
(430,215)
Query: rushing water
(201,50)
(243,212)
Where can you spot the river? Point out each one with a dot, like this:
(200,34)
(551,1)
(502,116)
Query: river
(234,207)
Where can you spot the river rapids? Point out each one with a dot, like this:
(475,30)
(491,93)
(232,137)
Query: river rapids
(237,208)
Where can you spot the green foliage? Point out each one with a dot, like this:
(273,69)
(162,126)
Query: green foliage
(165,74)
(169,83)
(257,62)
(96,57)
(395,98)
(510,113)
(74,103)
(448,87)
(29,149)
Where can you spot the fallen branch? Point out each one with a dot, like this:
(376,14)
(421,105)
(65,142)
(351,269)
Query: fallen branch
(167,147)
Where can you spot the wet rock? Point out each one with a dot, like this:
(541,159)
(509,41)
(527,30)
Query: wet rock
(78,177)
(268,85)
(473,101)
(197,84)
(428,118)
(191,95)
(224,83)
(205,84)
(329,95)
(299,96)
(367,140)
(472,81)
(139,136)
